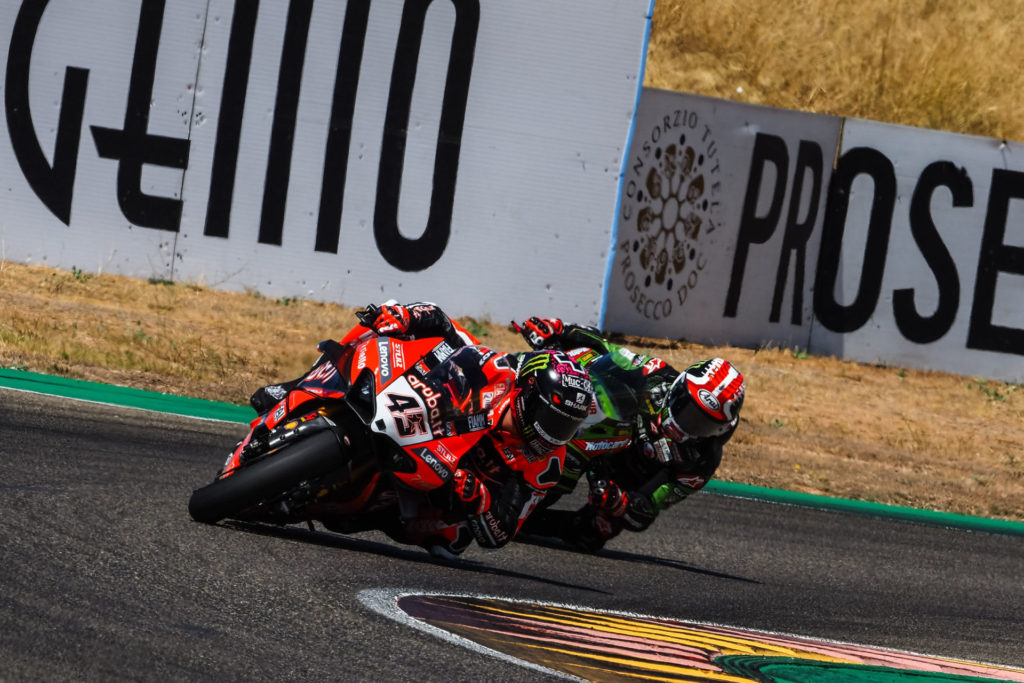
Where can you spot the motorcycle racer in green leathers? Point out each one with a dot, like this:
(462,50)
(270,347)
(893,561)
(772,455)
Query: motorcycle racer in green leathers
(655,436)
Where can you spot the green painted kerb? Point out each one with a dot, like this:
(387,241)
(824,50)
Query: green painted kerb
(791,670)
(195,407)
(123,396)
(997,526)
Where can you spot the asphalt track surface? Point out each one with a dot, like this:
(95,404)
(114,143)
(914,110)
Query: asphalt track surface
(103,576)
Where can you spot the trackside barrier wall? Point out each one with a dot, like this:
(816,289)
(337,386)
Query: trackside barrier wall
(474,152)
(456,150)
(749,225)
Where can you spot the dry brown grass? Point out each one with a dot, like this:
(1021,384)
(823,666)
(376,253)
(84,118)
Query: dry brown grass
(818,425)
(168,337)
(930,63)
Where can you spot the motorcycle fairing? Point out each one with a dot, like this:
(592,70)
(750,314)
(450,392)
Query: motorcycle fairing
(370,374)
(275,437)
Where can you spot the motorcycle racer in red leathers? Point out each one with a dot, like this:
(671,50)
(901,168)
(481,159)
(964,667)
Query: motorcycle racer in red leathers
(534,403)
(656,438)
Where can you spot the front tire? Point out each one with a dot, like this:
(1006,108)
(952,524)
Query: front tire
(309,458)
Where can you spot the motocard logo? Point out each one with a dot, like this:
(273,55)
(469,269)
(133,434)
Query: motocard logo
(670,207)
(607,444)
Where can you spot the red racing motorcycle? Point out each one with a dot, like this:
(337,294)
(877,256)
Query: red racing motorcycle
(364,440)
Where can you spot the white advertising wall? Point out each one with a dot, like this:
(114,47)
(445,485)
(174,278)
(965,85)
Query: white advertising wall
(474,153)
(462,151)
(68,69)
(923,258)
(719,221)
(753,226)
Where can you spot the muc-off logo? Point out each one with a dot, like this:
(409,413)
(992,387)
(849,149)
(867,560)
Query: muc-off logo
(671,206)
(579,383)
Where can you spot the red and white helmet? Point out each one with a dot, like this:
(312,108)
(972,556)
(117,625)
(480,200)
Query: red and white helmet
(704,401)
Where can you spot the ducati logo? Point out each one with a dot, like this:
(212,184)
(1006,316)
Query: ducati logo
(670,205)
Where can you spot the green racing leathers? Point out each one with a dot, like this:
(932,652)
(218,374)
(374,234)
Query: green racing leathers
(633,471)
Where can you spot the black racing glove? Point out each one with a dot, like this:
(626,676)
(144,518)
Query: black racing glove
(640,513)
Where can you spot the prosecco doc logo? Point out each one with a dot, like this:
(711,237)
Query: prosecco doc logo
(670,207)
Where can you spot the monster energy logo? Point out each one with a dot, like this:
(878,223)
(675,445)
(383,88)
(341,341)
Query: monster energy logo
(535,364)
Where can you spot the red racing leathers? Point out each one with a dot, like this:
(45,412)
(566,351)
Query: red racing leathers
(498,481)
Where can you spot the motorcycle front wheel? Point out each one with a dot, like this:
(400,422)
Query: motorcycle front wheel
(305,460)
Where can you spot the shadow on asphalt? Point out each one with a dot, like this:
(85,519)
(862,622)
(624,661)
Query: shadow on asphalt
(558,544)
(330,539)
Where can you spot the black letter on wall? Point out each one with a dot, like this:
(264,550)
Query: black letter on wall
(911,324)
(996,258)
(418,254)
(133,146)
(830,313)
(808,158)
(53,185)
(346,84)
(229,120)
(755,230)
(286,108)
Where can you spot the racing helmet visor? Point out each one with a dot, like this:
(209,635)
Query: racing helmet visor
(554,424)
(543,426)
(684,419)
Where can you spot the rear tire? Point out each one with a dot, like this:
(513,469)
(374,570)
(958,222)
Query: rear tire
(312,457)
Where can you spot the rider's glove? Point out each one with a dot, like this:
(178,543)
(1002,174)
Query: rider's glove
(469,490)
(652,444)
(393,319)
(659,449)
(606,495)
(538,332)
(640,512)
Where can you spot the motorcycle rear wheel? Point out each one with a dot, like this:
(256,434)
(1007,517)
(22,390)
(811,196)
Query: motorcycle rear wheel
(310,458)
